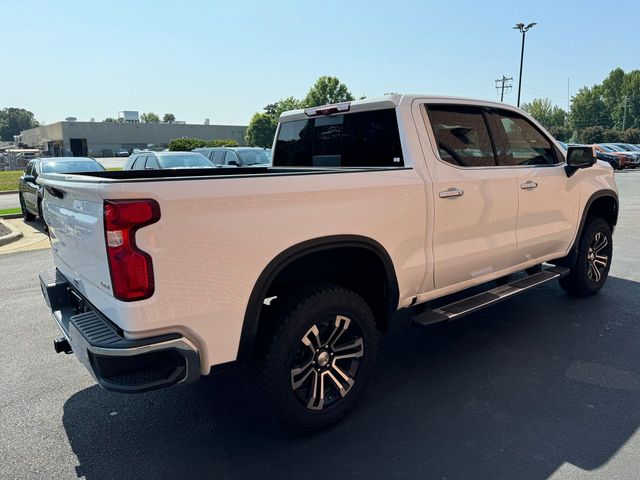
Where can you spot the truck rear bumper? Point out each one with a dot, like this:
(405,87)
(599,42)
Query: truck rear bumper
(117,363)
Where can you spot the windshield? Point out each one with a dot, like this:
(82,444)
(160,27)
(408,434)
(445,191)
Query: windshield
(255,156)
(615,148)
(606,148)
(187,160)
(78,166)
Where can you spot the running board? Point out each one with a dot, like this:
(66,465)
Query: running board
(482,300)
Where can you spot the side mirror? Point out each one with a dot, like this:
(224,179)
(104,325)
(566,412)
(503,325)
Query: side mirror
(579,157)
(29,179)
(233,163)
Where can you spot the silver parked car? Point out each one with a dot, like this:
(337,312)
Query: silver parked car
(166,160)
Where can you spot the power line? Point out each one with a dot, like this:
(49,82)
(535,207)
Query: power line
(502,85)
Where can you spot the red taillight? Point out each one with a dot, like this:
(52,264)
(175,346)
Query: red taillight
(131,268)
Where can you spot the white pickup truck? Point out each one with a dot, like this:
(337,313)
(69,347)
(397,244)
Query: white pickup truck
(370,206)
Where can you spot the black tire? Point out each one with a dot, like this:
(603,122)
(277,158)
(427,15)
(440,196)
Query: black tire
(595,249)
(26,214)
(41,216)
(304,338)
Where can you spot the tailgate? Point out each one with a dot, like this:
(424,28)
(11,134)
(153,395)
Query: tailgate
(73,211)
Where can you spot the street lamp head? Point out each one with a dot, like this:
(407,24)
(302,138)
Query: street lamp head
(521,27)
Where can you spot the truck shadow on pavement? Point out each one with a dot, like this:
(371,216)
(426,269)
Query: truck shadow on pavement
(515,391)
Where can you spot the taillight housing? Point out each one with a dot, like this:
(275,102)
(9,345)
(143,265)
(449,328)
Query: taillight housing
(131,268)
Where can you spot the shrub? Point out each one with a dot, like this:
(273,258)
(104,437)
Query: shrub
(188,144)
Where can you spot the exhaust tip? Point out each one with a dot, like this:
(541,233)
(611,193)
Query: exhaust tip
(61,345)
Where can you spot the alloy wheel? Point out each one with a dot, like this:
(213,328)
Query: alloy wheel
(598,257)
(326,363)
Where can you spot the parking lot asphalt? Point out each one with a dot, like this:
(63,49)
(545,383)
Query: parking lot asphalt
(540,386)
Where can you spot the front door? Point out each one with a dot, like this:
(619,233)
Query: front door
(476,202)
(548,200)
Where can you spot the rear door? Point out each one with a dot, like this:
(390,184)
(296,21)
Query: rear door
(548,200)
(476,201)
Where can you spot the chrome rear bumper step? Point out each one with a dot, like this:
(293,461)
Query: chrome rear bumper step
(482,300)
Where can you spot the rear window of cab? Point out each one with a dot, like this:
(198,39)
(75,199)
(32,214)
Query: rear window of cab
(359,139)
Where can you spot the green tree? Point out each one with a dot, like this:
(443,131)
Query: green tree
(169,118)
(560,132)
(630,135)
(589,109)
(543,110)
(593,134)
(276,109)
(110,120)
(261,130)
(150,117)
(327,90)
(15,120)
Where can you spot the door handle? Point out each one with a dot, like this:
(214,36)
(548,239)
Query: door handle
(452,192)
(528,185)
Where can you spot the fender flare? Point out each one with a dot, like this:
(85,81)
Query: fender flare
(281,261)
(572,254)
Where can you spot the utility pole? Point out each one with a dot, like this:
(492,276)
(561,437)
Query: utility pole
(521,27)
(502,85)
(624,115)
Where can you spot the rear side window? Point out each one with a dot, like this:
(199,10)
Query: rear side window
(518,142)
(216,156)
(462,135)
(361,139)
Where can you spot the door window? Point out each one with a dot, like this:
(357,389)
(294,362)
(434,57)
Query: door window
(216,157)
(29,169)
(462,135)
(231,157)
(151,163)
(518,142)
(140,162)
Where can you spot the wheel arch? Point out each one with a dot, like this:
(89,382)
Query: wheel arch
(603,203)
(317,251)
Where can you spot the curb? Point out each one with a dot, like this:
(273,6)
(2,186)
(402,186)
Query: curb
(11,215)
(12,237)
(7,192)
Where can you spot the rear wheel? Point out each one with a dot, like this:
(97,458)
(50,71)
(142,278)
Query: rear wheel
(26,214)
(595,249)
(315,364)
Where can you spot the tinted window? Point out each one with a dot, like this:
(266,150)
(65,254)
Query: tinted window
(217,156)
(230,157)
(462,135)
(71,166)
(520,143)
(364,139)
(29,169)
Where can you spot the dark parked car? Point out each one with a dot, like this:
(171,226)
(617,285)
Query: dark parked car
(237,156)
(166,160)
(30,193)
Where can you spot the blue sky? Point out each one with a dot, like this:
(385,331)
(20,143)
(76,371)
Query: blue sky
(224,60)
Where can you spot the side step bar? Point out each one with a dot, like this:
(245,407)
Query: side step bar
(482,300)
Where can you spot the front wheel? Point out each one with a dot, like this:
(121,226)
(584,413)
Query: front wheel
(595,249)
(316,362)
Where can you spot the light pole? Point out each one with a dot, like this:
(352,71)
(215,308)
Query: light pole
(523,30)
